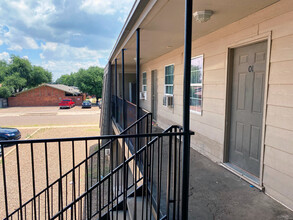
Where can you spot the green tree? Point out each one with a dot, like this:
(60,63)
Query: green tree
(39,75)
(3,70)
(23,67)
(15,82)
(68,80)
(5,92)
(19,74)
(90,81)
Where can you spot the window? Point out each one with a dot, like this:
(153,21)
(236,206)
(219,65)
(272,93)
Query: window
(169,77)
(144,82)
(196,84)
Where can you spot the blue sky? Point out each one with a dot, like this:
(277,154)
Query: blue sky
(61,35)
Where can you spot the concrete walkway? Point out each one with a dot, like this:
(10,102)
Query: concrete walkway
(216,193)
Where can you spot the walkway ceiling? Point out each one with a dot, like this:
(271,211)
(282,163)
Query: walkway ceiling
(162,30)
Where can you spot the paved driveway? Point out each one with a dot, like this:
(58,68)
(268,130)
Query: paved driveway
(40,116)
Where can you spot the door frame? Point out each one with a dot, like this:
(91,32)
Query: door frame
(228,82)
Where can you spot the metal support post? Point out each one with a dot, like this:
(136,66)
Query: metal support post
(123,91)
(186,104)
(137,71)
(116,93)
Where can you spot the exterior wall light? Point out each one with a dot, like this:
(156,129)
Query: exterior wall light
(203,16)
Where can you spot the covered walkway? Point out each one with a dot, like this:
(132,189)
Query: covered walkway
(216,193)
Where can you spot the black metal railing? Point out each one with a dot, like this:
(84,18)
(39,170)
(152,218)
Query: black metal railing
(80,178)
(37,173)
(130,112)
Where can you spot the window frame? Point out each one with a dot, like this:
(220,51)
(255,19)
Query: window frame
(198,85)
(144,86)
(165,85)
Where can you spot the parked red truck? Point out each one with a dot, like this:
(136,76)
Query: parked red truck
(66,103)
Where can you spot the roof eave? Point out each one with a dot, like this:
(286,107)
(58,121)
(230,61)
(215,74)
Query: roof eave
(135,12)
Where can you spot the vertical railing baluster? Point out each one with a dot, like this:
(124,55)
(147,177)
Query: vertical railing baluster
(144,181)
(124,180)
(146,174)
(179,177)
(104,170)
(66,193)
(73,180)
(45,204)
(52,201)
(99,178)
(91,195)
(109,188)
(71,213)
(19,180)
(117,177)
(175,174)
(87,180)
(111,161)
(160,173)
(34,182)
(47,179)
(152,175)
(79,188)
(60,195)
(158,180)
(135,171)
(169,175)
(4,180)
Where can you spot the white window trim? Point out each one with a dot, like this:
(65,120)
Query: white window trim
(144,85)
(198,84)
(165,85)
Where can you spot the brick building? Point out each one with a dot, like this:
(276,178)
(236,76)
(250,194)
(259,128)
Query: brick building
(46,95)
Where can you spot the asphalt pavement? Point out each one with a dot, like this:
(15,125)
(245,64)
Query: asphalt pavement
(48,116)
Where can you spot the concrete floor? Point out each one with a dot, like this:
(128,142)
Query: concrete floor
(216,193)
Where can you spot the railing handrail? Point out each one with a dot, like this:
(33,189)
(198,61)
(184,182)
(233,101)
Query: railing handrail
(113,137)
(117,168)
(93,138)
(103,137)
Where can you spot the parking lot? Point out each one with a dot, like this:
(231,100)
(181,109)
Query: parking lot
(44,123)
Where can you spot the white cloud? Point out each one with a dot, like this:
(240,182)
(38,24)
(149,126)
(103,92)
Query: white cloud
(64,59)
(30,43)
(54,51)
(4,56)
(25,57)
(15,47)
(106,7)
(65,67)
(17,41)
(74,35)
(31,12)
(44,8)
(49,46)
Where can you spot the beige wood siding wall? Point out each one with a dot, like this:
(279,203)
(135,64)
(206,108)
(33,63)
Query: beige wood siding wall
(209,127)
